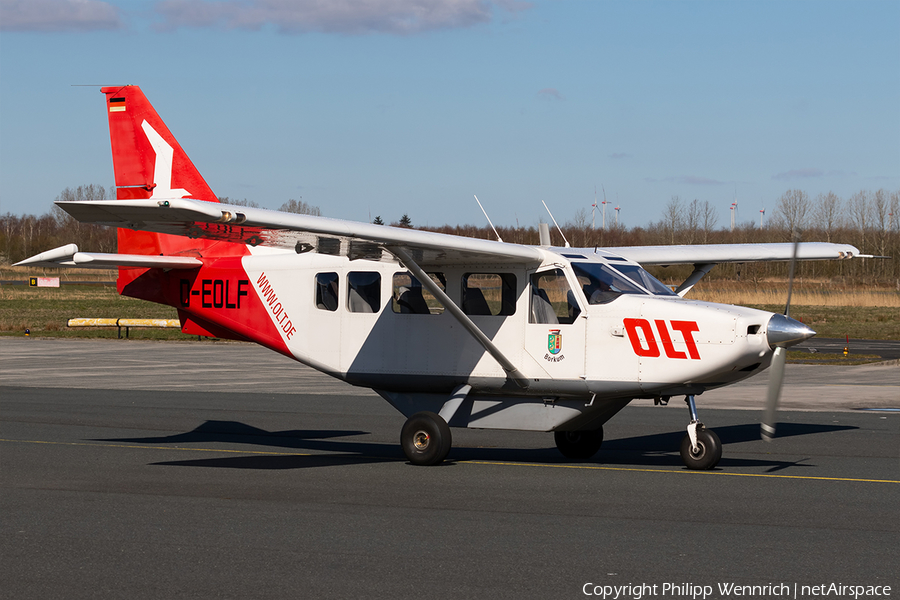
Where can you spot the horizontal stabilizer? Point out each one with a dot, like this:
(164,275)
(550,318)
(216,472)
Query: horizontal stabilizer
(69,256)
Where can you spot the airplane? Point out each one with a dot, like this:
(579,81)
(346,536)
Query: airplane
(451,331)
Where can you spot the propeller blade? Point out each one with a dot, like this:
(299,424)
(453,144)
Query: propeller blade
(779,357)
(776,376)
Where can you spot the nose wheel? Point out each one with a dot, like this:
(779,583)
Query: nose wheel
(700,448)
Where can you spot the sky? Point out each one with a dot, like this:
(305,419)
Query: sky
(370,108)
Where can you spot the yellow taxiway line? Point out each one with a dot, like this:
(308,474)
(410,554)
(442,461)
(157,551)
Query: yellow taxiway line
(681,471)
(472,462)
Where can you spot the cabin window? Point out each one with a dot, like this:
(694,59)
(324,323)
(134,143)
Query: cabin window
(327,291)
(363,292)
(489,294)
(552,299)
(410,297)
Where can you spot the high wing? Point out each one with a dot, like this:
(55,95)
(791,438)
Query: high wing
(719,253)
(705,257)
(300,233)
(306,233)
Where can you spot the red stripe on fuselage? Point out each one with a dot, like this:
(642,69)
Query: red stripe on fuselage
(219,299)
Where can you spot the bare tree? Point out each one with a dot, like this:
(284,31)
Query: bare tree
(581,218)
(300,207)
(792,211)
(880,209)
(244,202)
(709,219)
(894,215)
(693,220)
(859,210)
(673,218)
(579,227)
(827,213)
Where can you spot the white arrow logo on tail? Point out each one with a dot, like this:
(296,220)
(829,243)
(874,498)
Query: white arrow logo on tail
(162,169)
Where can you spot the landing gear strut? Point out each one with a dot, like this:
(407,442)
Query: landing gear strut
(578,445)
(425,438)
(700,448)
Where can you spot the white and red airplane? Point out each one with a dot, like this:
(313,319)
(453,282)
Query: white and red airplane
(452,331)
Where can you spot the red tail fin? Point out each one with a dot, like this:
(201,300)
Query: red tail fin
(148,160)
(150,163)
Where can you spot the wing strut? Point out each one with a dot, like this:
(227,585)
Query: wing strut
(700,269)
(511,370)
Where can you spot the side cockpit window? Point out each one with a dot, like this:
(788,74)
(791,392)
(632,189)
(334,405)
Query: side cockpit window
(327,291)
(642,277)
(363,292)
(602,284)
(552,300)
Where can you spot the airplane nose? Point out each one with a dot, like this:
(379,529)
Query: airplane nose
(785,332)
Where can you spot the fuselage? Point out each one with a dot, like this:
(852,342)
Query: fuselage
(372,324)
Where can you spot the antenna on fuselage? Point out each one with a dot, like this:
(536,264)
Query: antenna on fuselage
(488,218)
(557,224)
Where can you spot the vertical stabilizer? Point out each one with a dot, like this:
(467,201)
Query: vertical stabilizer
(149,163)
(148,160)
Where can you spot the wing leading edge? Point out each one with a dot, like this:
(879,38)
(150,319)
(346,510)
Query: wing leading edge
(720,253)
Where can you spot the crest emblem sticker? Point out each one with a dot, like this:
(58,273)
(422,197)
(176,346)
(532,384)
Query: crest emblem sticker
(554,341)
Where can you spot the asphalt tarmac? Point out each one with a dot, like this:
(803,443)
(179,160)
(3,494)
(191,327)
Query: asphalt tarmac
(886,349)
(167,470)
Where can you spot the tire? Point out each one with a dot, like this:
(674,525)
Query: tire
(708,454)
(425,438)
(578,445)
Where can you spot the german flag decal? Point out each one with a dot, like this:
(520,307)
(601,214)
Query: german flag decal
(117,105)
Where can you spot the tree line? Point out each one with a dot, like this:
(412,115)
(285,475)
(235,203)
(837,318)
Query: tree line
(869,220)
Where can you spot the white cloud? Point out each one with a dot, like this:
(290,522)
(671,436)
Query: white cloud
(352,17)
(58,15)
(550,93)
(798,174)
(686,180)
(812,173)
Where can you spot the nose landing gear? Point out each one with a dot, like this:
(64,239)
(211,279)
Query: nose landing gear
(700,448)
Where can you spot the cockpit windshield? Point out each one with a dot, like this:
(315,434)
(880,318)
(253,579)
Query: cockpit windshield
(601,284)
(642,277)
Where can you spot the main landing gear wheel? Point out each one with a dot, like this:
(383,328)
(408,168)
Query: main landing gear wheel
(425,438)
(707,453)
(578,445)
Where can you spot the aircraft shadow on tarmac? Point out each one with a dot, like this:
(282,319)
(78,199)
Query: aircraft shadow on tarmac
(655,450)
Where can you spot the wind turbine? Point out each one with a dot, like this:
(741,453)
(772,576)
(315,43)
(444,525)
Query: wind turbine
(604,203)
